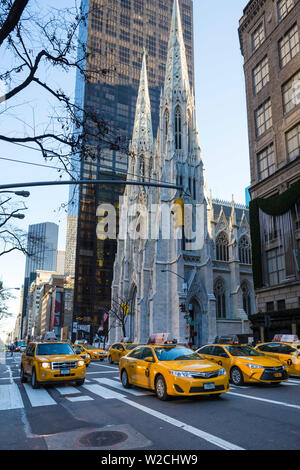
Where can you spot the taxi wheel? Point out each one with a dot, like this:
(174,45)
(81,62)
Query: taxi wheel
(110,360)
(161,388)
(236,376)
(80,382)
(23,378)
(34,382)
(125,379)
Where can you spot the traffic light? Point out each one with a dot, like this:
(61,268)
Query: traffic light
(178,212)
(182,308)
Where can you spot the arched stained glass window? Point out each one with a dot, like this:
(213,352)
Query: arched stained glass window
(142,167)
(178,129)
(222,248)
(245,250)
(246,298)
(219,293)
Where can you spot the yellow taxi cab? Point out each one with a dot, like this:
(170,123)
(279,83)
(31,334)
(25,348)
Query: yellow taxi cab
(94,352)
(171,369)
(49,362)
(80,351)
(284,352)
(244,364)
(118,350)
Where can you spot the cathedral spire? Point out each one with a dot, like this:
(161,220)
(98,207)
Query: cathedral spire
(176,69)
(142,139)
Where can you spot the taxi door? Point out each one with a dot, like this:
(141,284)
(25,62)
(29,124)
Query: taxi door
(30,359)
(222,358)
(143,368)
(132,363)
(114,352)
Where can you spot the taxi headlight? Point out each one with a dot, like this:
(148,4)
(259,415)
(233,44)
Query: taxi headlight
(45,365)
(180,373)
(89,355)
(253,366)
(222,371)
(80,363)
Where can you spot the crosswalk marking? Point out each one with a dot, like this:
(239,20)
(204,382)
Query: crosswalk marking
(119,386)
(67,390)
(10,397)
(102,391)
(39,397)
(81,398)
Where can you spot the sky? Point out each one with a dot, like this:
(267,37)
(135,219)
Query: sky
(221,120)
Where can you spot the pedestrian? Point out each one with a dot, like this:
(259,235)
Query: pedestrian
(11,350)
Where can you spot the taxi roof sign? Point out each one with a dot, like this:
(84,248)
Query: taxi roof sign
(286,338)
(161,338)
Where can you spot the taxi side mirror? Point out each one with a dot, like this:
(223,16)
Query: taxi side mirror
(149,359)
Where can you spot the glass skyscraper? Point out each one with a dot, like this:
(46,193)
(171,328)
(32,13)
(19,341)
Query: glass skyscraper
(42,243)
(115,35)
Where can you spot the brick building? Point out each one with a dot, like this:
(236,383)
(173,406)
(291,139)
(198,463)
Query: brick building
(269,38)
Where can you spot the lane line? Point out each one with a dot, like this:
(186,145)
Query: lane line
(109,394)
(106,372)
(10,397)
(102,365)
(39,397)
(119,386)
(266,400)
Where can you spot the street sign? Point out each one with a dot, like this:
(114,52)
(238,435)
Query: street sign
(125,308)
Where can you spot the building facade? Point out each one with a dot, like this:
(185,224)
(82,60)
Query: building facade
(183,266)
(42,243)
(115,35)
(269,38)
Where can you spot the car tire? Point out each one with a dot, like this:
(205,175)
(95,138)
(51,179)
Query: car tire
(22,376)
(236,376)
(110,360)
(161,388)
(125,379)
(34,382)
(80,382)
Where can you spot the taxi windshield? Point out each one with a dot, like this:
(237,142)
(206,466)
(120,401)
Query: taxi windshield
(89,346)
(242,351)
(130,346)
(53,349)
(167,353)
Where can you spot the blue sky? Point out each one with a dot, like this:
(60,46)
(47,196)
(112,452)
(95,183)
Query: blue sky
(221,116)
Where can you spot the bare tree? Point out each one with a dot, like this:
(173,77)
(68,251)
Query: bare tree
(4,297)
(39,41)
(12,238)
(119,314)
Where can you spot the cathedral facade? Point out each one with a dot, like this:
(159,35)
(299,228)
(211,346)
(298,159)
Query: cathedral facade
(191,279)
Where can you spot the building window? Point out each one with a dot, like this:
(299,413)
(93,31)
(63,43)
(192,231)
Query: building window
(258,36)
(293,142)
(289,45)
(222,247)
(289,97)
(266,162)
(246,298)
(270,306)
(219,293)
(275,266)
(263,118)
(178,129)
(244,250)
(280,305)
(283,8)
(261,75)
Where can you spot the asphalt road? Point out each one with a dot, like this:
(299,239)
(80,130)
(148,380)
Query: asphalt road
(101,414)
